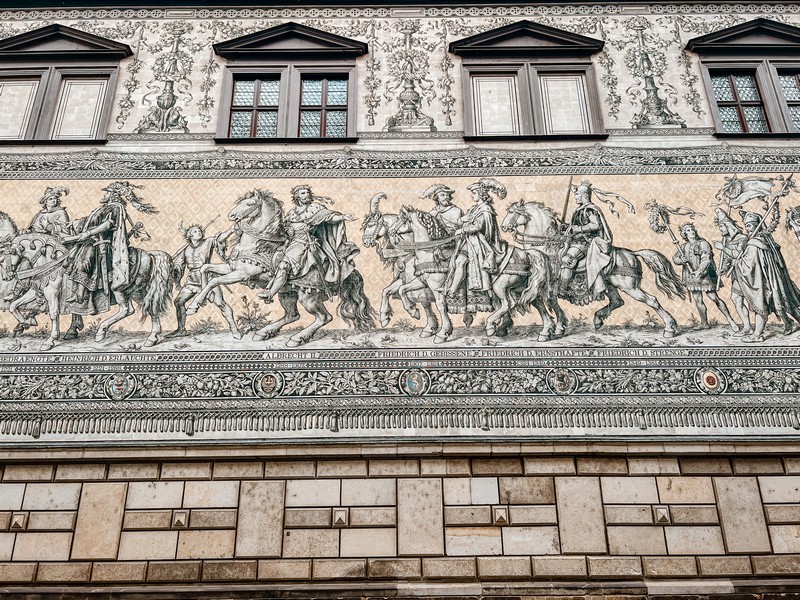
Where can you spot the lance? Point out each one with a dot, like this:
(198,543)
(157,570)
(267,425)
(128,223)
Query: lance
(566,201)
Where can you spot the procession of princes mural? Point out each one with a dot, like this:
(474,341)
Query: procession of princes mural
(450,273)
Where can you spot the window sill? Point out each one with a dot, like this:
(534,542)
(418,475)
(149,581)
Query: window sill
(771,135)
(100,142)
(536,138)
(287,140)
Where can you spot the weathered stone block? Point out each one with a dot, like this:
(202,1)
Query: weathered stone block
(785,539)
(629,515)
(51,521)
(307,517)
(473,541)
(653,466)
(778,513)
(685,490)
(342,468)
(444,467)
(148,545)
(780,489)
(694,515)
(318,492)
(467,515)
(503,567)
(206,544)
(636,541)
(211,494)
(527,490)
(533,515)
(154,494)
(457,491)
(292,469)
(173,571)
(212,519)
(11,495)
(629,490)
(484,490)
(368,542)
(700,539)
(17,573)
(369,492)
(5,520)
(394,568)
(186,470)
(580,508)
(147,519)
(6,545)
(530,540)
(229,570)
(496,466)
(741,515)
(655,566)
(51,496)
(281,570)
(373,517)
(75,572)
(602,466)
(765,465)
(394,468)
(99,521)
(420,518)
(611,567)
(238,470)
(132,472)
(724,566)
(340,569)
(260,522)
(788,564)
(537,465)
(448,568)
(311,543)
(42,546)
(705,466)
(119,572)
(558,567)
(80,472)
(28,473)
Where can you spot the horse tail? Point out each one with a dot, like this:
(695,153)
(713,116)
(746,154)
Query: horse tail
(538,278)
(667,279)
(354,306)
(156,300)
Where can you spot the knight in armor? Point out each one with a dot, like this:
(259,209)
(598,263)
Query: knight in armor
(732,245)
(198,251)
(700,274)
(589,238)
(317,244)
(444,210)
(479,249)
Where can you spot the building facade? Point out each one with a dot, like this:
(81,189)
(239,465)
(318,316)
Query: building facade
(489,300)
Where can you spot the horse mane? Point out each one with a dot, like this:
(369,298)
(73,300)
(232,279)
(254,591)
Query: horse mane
(434,226)
(4,216)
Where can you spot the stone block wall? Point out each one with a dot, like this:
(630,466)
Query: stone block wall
(440,516)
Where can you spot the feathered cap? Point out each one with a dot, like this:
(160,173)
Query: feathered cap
(124,193)
(435,189)
(488,186)
(53,192)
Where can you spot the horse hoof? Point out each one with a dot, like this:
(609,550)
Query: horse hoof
(426,334)
(192,309)
(292,343)
(259,337)
(149,343)
(100,335)
(491,331)
(70,335)
(414,313)
(669,333)
(559,332)
(48,345)
(237,335)
(384,321)
(598,323)
(544,337)
(439,339)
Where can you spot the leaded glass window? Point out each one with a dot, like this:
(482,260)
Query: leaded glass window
(790,86)
(323,107)
(740,106)
(254,108)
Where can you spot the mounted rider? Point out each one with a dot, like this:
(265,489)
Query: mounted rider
(448,214)
(317,246)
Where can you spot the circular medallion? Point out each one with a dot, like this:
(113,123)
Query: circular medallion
(710,380)
(268,384)
(120,386)
(414,382)
(562,381)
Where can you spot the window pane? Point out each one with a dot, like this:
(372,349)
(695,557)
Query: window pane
(746,88)
(564,104)
(79,107)
(244,93)
(790,87)
(495,105)
(267,124)
(794,113)
(336,123)
(269,92)
(240,124)
(16,105)
(756,121)
(312,92)
(310,121)
(730,119)
(337,92)
(722,88)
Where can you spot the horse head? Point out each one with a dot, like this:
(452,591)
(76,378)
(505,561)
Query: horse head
(515,217)
(534,217)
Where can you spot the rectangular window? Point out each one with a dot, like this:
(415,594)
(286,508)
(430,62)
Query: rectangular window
(323,107)
(254,109)
(495,104)
(78,109)
(17,99)
(564,104)
(739,103)
(790,85)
